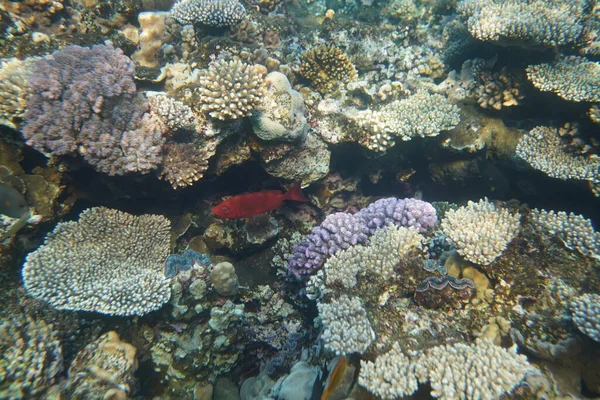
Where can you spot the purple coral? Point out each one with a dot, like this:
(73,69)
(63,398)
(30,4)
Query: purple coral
(338,231)
(402,212)
(84,100)
(342,230)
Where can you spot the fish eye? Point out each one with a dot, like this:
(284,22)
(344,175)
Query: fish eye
(225,210)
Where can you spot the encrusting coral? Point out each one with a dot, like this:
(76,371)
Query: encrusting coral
(109,262)
(326,66)
(231,89)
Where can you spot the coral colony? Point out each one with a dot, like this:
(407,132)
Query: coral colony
(289,200)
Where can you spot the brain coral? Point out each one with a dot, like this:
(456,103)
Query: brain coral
(572,78)
(480,231)
(218,13)
(326,66)
(231,89)
(109,262)
(524,22)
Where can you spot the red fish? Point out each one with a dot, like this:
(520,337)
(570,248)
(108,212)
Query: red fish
(250,204)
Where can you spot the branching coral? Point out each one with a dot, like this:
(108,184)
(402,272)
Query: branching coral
(14,76)
(31,357)
(326,66)
(480,231)
(574,230)
(186,163)
(347,329)
(109,262)
(572,78)
(231,89)
(421,114)
(531,22)
(586,314)
(544,150)
(84,100)
(217,13)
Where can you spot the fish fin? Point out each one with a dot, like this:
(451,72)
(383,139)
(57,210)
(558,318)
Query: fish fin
(295,194)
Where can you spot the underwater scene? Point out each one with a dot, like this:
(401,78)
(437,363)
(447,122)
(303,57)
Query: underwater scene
(299,199)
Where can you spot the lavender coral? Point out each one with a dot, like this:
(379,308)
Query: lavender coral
(84,101)
(342,230)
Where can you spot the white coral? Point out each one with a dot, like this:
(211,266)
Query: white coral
(480,231)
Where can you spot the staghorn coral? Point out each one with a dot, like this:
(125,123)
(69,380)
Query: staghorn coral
(186,163)
(84,100)
(217,13)
(586,314)
(572,78)
(109,262)
(480,370)
(347,329)
(231,89)
(531,22)
(575,231)
(325,67)
(544,150)
(480,231)
(104,369)
(31,357)
(421,114)
(391,376)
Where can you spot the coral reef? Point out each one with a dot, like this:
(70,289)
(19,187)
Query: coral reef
(586,314)
(480,231)
(281,113)
(572,78)
(14,77)
(224,279)
(537,22)
(543,148)
(422,114)
(218,13)
(230,90)
(347,328)
(31,358)
(104,369)
(326,66)
(186,163)
(109,262)
(84,100)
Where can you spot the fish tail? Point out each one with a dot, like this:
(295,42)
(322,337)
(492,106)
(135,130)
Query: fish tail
(295,194)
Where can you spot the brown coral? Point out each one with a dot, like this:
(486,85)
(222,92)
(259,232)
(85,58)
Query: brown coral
(186,163)
(498,90)
(326,66)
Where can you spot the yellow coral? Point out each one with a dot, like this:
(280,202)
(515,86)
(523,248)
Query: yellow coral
(326,66)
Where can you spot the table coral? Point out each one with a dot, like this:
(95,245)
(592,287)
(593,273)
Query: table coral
(109,262)
(217,13)
(573,78)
